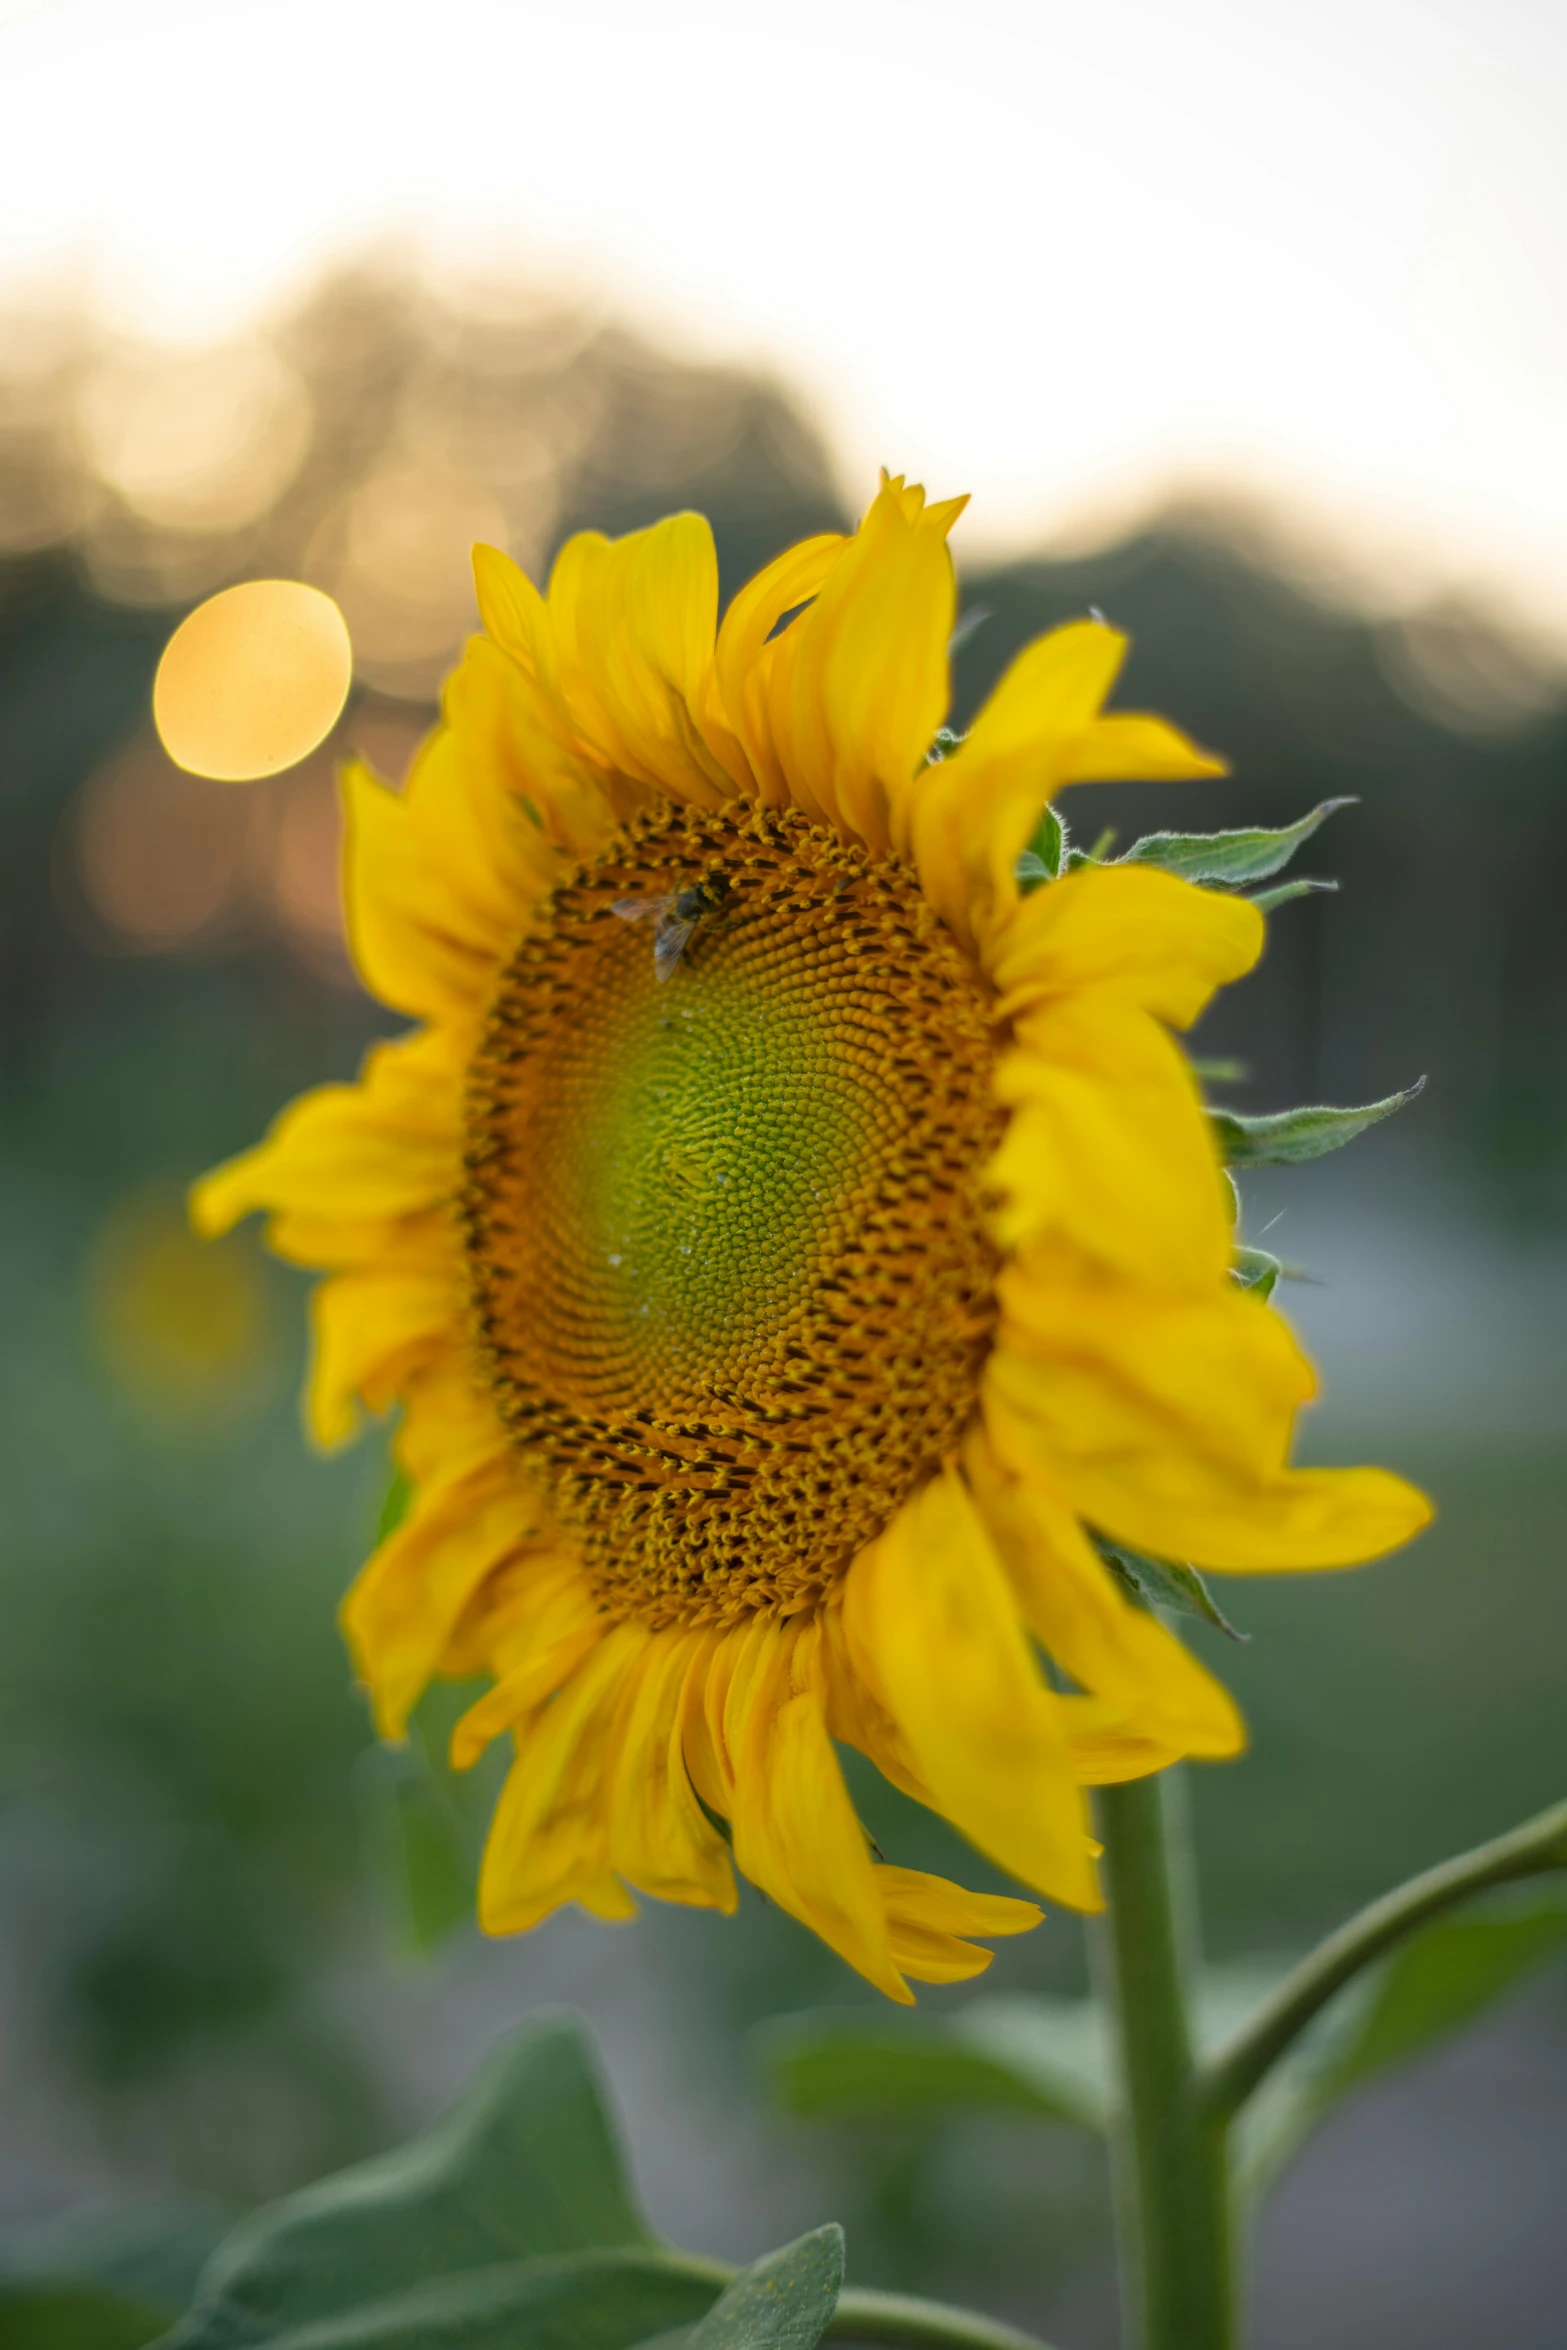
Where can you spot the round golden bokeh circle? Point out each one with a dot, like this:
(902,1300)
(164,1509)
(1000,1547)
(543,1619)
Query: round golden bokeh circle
(252,680)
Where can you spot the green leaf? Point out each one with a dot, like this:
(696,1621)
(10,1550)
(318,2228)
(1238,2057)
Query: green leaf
(526,2166)
(1267,901)
(1285,1138)
(1046,2057)
(1232,858)
(1435,1983)
(1254,1269)
(77,2317)
(1160,1583)
(423,1843)
(1450,1971)
(150,2254)
(571,2301)
(107,2281)
(1042,859)
(783,2302)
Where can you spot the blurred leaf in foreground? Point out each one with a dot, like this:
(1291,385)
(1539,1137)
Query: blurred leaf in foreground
(513,2221)
(1048,2057)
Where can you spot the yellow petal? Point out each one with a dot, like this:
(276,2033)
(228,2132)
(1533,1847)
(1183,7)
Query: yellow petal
(793,578)
(516,725)
(514,614)
(857,1716)
(369,1330)
(927,1918)
(660,1839)
(1108,1145)
(439,877)
(1117,1653)
(1142,935)
(1176,1485)
(859,684)
(389,1146)
(549,1839)
(966,821)
(1214,1370)
(449,1426)
(1111,1741)
(530,1623)
(934,1627)
(1130,746)
(466,1518)
(634,623)
(522,1691)
(795,1833)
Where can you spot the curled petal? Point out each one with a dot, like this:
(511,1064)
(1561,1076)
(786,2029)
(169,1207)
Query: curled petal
(928,1918)
(549,1840)
(795,1831)
(934,1627)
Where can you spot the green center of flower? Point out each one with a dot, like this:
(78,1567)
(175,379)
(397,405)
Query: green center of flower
(698,1154)
(723,1217)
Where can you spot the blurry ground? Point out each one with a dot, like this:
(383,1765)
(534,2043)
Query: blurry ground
(204,1987)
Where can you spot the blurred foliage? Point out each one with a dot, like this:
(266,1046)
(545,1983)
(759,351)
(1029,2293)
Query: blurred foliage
(202,1868)
(513,2219)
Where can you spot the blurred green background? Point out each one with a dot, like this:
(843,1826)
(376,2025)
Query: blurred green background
(211,1983)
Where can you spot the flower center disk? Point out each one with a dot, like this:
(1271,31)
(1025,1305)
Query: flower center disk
(723,1213)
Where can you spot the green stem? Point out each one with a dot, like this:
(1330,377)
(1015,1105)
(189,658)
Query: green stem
(1530,1851)
(1172,2188)
(865,2316)
(898,2319)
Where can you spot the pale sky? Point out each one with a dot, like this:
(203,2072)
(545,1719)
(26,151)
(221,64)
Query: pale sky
(1064,257)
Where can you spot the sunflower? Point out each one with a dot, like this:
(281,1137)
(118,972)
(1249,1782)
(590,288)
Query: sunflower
(789,1242)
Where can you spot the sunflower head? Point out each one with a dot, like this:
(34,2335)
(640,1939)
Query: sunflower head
(793,1236)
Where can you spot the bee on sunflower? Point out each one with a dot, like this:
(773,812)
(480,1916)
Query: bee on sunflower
(787,1321)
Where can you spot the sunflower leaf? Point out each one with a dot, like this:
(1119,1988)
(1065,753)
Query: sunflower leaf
(1229,858)
(423,1845)
(144,2258)
(1436,1982)
(1043,858)
(1047,2057)
(1267,901)
(1160,1583)
(525,2169)
(77,2317)
(782,2302)
(1285,1138)
(1254,1269)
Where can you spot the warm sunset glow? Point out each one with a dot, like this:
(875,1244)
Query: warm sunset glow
(253,680)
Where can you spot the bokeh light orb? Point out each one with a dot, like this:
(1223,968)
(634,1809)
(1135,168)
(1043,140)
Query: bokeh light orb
(252,680)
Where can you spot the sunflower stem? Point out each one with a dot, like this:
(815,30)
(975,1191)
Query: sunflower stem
(899,2321)
(864,2315)
(1533,1850)
(1172,2190)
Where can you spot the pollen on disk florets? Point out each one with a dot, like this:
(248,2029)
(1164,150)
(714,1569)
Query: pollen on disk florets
(723,1222)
